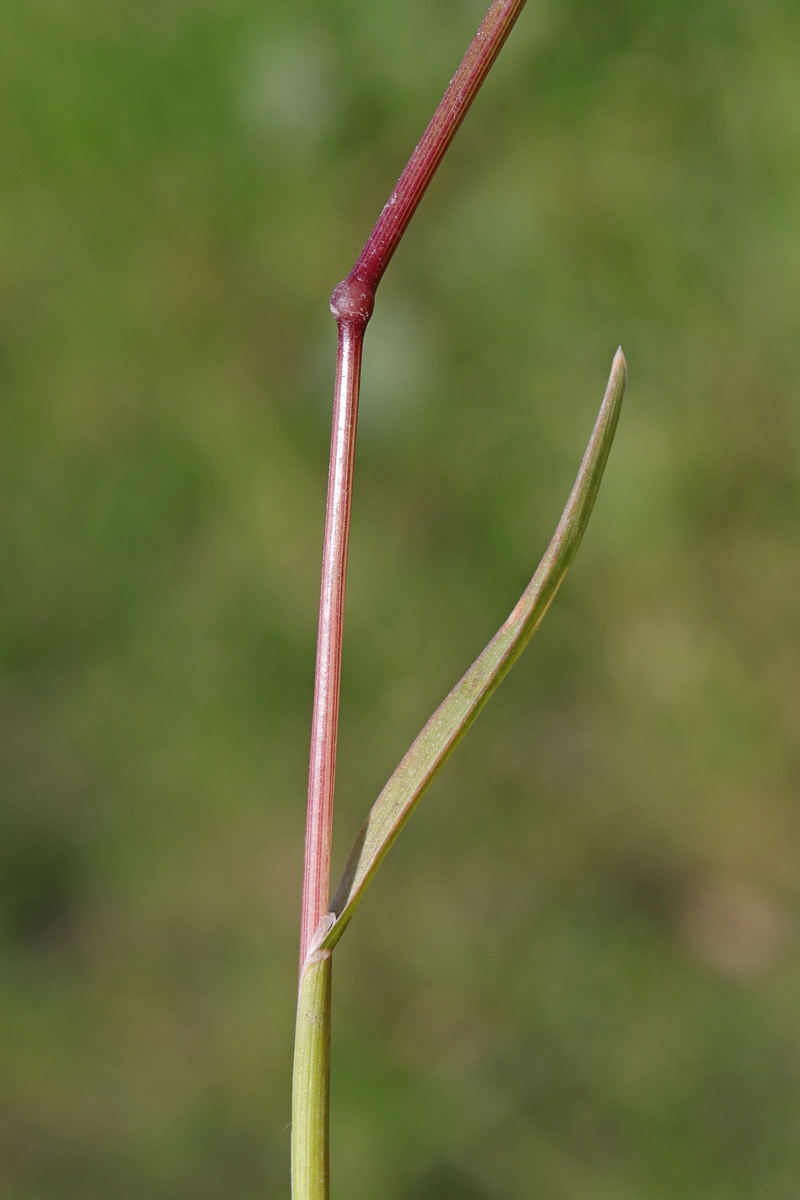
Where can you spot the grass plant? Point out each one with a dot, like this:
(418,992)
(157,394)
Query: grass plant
(575,976)
(323,921)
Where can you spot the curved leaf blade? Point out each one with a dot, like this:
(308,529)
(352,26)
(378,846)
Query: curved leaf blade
(456,713)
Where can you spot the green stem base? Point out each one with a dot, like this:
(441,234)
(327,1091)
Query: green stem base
(311,1081)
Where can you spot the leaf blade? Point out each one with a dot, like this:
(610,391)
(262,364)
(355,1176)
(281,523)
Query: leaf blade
(451,720)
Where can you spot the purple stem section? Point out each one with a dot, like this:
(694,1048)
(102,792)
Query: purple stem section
(351,304)
(325,719)
(421,167)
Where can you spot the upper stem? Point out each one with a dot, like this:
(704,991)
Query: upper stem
(442,128)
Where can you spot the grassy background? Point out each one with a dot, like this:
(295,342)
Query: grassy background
(577,977)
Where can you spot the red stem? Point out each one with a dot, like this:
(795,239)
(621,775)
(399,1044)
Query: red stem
(421,167)
(352,304)
(325,720)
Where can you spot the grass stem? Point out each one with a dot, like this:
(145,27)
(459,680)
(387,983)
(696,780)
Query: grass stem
(311,1081)
(352,303)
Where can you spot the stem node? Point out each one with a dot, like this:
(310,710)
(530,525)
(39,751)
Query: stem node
(353,300)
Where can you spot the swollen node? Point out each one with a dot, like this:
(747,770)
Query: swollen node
(352,300)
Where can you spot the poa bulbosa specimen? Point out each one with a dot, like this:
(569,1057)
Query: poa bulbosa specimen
(324,920)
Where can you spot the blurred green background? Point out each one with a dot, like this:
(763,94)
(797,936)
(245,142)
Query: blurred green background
(577,976)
